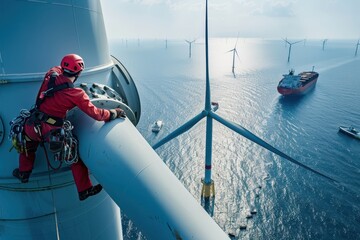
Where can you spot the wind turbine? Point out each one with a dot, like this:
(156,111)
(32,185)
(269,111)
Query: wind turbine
(286,41)
(323,44)
(234,53)
(190,42)
(357,46)
(208,189)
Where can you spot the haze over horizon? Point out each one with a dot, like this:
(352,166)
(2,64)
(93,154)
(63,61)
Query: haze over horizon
(292,19)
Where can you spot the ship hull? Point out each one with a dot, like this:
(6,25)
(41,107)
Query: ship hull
(348,132)
(302,90)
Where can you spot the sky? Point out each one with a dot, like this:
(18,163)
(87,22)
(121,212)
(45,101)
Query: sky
(185,19)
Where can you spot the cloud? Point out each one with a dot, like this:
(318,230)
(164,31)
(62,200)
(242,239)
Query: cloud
(275,9)
(260,18)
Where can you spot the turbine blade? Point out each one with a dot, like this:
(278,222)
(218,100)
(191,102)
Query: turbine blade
(186,126)
(297,42)
(286,41)
(237,40)
(237,54)
(252,137)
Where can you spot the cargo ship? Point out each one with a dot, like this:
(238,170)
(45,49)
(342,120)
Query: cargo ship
(300,84)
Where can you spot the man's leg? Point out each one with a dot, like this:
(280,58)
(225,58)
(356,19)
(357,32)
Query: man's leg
(83,182)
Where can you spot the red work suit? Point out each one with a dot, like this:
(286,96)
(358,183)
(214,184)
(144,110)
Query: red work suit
(57,106)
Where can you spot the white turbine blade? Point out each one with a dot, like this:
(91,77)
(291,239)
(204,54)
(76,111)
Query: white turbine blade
(286,41)
(180,130)
(237,54)
(237,39)
(252,137)
(297,42)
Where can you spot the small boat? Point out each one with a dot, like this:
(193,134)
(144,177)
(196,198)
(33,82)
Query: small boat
(351,131)
(214,106)
(157,126)
(300,84)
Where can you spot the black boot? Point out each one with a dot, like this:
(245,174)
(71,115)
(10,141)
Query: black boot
(90,192)
(22,176)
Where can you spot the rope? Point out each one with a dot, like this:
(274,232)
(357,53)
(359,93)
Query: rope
(54,206)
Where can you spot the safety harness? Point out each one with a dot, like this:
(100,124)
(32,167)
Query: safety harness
(61,140)
(52,88)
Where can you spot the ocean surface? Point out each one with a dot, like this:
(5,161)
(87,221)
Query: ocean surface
(291,202)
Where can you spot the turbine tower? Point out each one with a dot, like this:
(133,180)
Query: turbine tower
(208,189)
(357,46)
(190,42)
(323,44)
(290,44)
(234,53)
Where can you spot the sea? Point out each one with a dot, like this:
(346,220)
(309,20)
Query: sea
(290,201)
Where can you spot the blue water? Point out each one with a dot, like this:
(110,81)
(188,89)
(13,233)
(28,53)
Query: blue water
(291,203)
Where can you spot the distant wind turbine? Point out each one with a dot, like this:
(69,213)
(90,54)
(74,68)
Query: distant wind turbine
(357,46)
(323,45)
(190,42)
(166,42)
(234,52)
(290,44)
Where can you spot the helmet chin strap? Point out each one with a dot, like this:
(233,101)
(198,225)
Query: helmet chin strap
(76,77)
(69,75)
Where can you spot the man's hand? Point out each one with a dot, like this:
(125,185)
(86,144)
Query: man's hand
(117,113)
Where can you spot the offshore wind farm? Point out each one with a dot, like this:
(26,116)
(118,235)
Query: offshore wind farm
(288,201)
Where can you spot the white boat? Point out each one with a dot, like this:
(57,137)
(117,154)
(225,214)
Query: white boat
(157,126)
(214,106)
(350,131)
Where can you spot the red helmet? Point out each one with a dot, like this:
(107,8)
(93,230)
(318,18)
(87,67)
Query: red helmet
(72,63)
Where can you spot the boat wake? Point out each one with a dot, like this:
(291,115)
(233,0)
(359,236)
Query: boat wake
(336,65)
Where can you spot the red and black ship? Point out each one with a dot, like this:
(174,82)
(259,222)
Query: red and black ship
(300,84)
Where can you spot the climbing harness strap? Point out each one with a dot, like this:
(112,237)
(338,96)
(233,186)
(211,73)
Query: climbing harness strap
(37,117)
(52,88)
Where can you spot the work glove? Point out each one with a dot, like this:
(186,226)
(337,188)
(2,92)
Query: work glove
(117,113)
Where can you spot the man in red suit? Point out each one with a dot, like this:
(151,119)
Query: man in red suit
(57,95)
